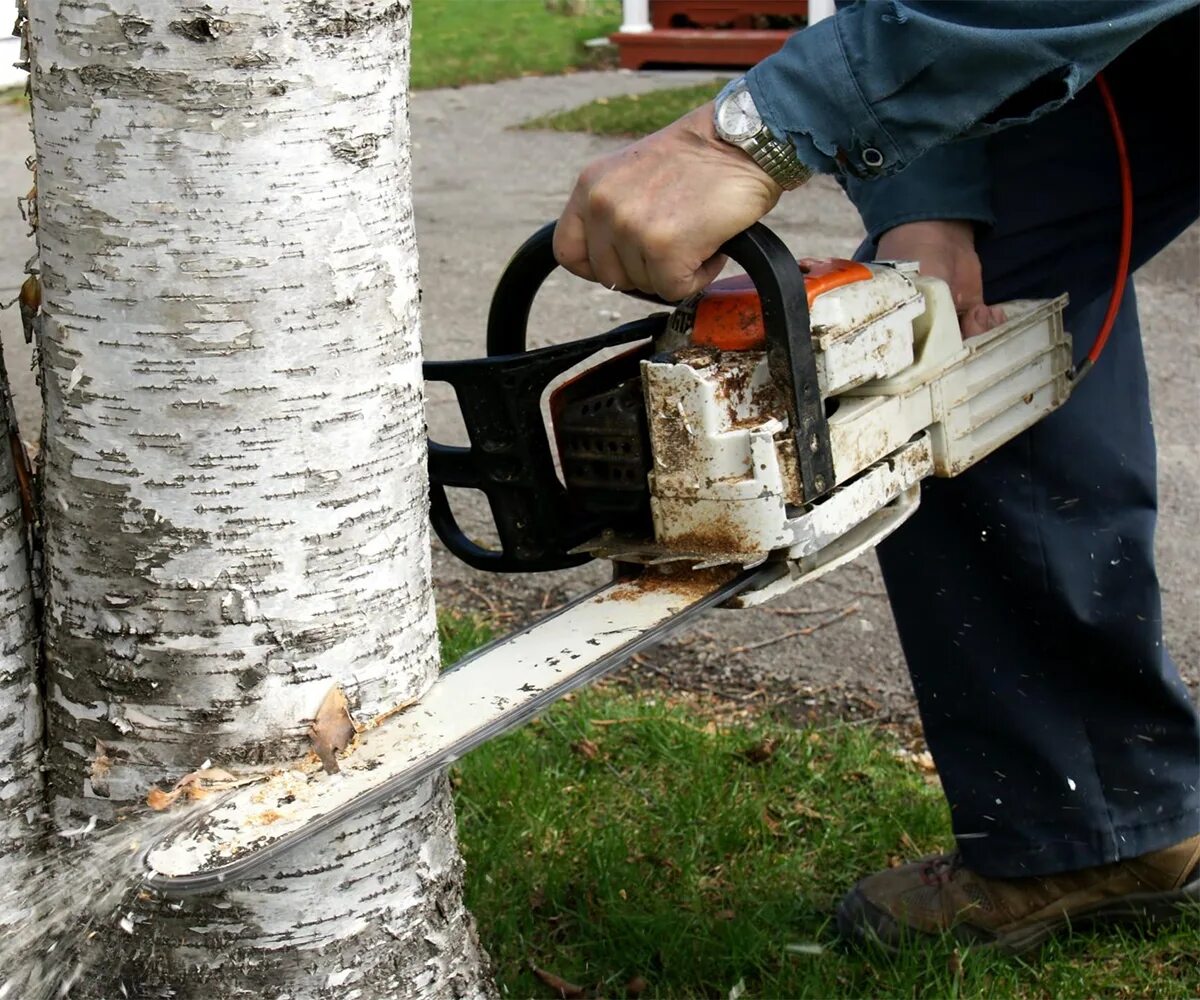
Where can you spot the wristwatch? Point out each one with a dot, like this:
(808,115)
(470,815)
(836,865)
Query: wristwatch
(738,122)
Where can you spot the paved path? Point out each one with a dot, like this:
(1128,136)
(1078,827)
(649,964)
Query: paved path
(481,187)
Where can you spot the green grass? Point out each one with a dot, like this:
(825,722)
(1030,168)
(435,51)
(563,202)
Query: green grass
(456,42)
(630,114)
(618,839)
(459,634)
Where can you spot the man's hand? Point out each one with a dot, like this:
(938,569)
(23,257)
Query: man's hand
(653,215)
(946,250)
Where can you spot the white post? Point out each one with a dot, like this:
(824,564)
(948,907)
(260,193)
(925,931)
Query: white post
(818,10)
(635,16)
(10,47)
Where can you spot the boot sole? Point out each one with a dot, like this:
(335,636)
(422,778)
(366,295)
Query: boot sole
(860,921)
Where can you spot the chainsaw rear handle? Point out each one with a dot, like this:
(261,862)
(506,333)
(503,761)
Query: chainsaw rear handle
(510,458)
(527,271)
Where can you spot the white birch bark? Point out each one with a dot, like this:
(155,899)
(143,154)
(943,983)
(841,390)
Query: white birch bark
(20,702)
(234,479)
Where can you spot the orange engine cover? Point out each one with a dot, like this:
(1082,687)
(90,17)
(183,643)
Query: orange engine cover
(729,317)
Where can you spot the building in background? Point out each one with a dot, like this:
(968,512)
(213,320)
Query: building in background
(709,32)
(10,46)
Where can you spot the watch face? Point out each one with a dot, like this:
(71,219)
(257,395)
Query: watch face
(737,118)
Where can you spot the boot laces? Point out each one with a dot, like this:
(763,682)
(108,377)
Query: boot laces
(941,869)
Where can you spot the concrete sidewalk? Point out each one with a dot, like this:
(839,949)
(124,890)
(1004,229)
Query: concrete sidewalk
(482,187)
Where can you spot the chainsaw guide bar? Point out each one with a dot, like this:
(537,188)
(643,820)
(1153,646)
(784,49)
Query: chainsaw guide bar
(497,688)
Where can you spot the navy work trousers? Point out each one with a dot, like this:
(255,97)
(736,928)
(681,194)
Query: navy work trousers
(1025,590)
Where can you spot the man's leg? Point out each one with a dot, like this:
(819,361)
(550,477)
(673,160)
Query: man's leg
(1029,611)
(1025,590)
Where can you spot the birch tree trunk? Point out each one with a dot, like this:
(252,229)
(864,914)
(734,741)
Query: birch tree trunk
(234,464)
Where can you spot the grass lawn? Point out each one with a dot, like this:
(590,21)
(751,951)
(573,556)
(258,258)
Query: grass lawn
(630,114)
(456,42)
(632,847)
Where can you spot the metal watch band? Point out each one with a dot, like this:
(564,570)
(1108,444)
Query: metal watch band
(778,159)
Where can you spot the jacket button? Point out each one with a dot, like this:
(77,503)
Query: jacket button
(872,158)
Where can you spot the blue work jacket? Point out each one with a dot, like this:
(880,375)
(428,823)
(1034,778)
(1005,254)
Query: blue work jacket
(886,84)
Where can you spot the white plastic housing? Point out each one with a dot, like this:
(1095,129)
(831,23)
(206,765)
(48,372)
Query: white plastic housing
(912,400)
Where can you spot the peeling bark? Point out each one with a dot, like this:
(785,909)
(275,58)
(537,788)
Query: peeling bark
(234,462)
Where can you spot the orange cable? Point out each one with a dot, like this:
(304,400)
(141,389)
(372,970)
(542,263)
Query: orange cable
(1122,275)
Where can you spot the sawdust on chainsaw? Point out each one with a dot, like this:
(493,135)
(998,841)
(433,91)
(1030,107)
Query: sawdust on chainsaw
(689,584)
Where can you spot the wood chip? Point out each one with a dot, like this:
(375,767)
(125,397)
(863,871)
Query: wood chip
(98,772)
(332,729)
(158,800)
(197,785)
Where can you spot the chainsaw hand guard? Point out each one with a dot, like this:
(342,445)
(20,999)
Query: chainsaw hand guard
(540,521)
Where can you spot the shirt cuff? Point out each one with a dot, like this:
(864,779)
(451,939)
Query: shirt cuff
(948,182)
(810,68)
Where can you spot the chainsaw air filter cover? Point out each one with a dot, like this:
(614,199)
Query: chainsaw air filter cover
(861,317)
(604,449)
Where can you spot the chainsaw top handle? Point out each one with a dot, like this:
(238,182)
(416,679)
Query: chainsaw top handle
(538,520)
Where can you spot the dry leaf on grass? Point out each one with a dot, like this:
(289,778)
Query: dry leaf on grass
(921,760)
(636,987)
(586,748)
(568,991)
(762,751)
(800,809)
(332,729)
(772,824)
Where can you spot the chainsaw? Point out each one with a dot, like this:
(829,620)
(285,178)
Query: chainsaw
(718,453)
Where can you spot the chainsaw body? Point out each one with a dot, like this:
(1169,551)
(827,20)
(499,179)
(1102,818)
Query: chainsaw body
(787,416)
(719,454)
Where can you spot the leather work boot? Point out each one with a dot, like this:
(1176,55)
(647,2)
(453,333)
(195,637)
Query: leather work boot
(901,906)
